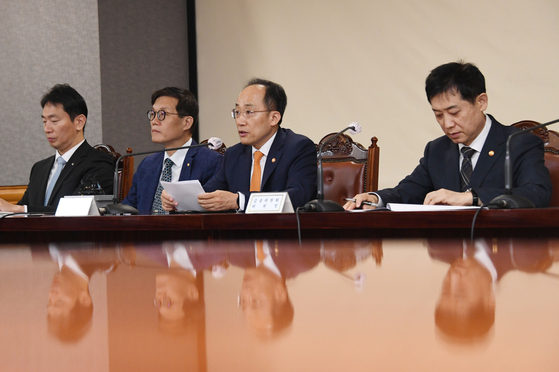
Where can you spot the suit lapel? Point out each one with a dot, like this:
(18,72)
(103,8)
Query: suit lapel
(452,163)
(44,177)
(495,145)
(274,157)
(245,163)
(75,159)
(186,170)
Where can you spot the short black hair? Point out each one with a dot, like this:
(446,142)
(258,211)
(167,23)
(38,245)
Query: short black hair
(460,77)
(275,98)
(187,105)
(72,102)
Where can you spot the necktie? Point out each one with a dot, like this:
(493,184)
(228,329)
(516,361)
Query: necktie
(466,169)
(165,176)
(256,172)
(260,255)
(59,166)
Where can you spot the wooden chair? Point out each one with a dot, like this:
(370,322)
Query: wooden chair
(125,168)
(348,167)
(221,148)
(551,148)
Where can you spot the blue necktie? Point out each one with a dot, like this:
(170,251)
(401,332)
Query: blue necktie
(467,168)
(59,166)
(165,176)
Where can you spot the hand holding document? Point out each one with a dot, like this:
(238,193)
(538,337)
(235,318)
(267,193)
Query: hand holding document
(185,193)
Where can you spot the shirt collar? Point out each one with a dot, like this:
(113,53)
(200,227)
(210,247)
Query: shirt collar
(179,155)
(68,154)
(265,149)
(478,143)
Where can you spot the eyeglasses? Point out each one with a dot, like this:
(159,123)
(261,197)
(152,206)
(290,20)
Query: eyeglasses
(236,113)
(160,114)
(252,302)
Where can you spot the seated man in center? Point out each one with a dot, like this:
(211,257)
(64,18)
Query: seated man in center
(173,115)
(268,159)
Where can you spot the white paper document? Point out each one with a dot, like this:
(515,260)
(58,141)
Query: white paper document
(398,207)
(185,193)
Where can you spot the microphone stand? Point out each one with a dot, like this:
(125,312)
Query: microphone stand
(116,207)
(508,200)
(319,204)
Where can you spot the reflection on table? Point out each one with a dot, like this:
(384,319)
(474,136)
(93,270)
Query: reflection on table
(276,305)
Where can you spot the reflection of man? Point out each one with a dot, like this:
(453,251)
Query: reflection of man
(264,297)
(173,116)
(466,307)
(69,304)
(269,158)
(178,295)
(75,162)
(342,255)
(466,166)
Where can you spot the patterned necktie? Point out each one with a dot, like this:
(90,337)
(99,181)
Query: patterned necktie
(59,166)
(256,172)
(165,176)
(467,168)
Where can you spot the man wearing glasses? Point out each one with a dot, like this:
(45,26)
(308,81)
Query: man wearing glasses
(268,159)
(172,117)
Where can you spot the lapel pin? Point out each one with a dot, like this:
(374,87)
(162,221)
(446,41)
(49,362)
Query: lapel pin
(188,164)
(273,160)
(491,153)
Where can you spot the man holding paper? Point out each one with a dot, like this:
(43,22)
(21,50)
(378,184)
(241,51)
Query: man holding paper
(173,115)
(268,159)
(466,166)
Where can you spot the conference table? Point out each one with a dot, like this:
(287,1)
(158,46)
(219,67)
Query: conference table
(422,303)
(375,224)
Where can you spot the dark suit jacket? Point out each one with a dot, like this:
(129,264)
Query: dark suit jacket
(200,164)
(85,162)
(290,166)
(439,168)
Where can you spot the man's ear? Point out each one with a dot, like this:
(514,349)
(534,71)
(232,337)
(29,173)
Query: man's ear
(79,122)
(188,122)
(482,100)
(84,298)
(275,118)
(193,293)
(280,293)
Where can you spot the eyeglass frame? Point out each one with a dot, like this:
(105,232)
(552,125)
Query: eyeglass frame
(157,114)
(245,111)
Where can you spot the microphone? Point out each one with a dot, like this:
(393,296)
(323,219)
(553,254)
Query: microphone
(116,208)
(319,204)
(508,200)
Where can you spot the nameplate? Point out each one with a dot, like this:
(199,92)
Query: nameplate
(269,202)
(77,206)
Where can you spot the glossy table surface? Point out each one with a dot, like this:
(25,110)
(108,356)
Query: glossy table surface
(324,305)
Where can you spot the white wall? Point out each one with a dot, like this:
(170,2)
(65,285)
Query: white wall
(366,61)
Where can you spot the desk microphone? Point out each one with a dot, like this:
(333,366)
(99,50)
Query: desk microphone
(319,204)
(508,200)
(116,208)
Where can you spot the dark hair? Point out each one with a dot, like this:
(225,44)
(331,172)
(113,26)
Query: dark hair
(275,98)
(72,102)
(73,327)
(187,105)
(473,325)
(461,77)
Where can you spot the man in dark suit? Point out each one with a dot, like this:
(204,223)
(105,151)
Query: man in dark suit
(75,162)
(285,161)
(173,115)
(466,166)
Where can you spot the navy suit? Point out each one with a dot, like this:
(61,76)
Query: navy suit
(200,163)
(439,168)
(84,163)
(290,166)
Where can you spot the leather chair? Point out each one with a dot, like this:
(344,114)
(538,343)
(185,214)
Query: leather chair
(348,167)
(125,168)
(551,154)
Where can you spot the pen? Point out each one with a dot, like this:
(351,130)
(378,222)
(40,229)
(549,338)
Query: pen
(363,202)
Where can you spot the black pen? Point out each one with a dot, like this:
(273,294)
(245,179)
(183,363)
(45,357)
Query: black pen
(363,202)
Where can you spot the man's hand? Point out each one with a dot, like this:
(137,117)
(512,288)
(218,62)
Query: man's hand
(167,202)
(447,197)
(218,200)
(359,198)
(9,207)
